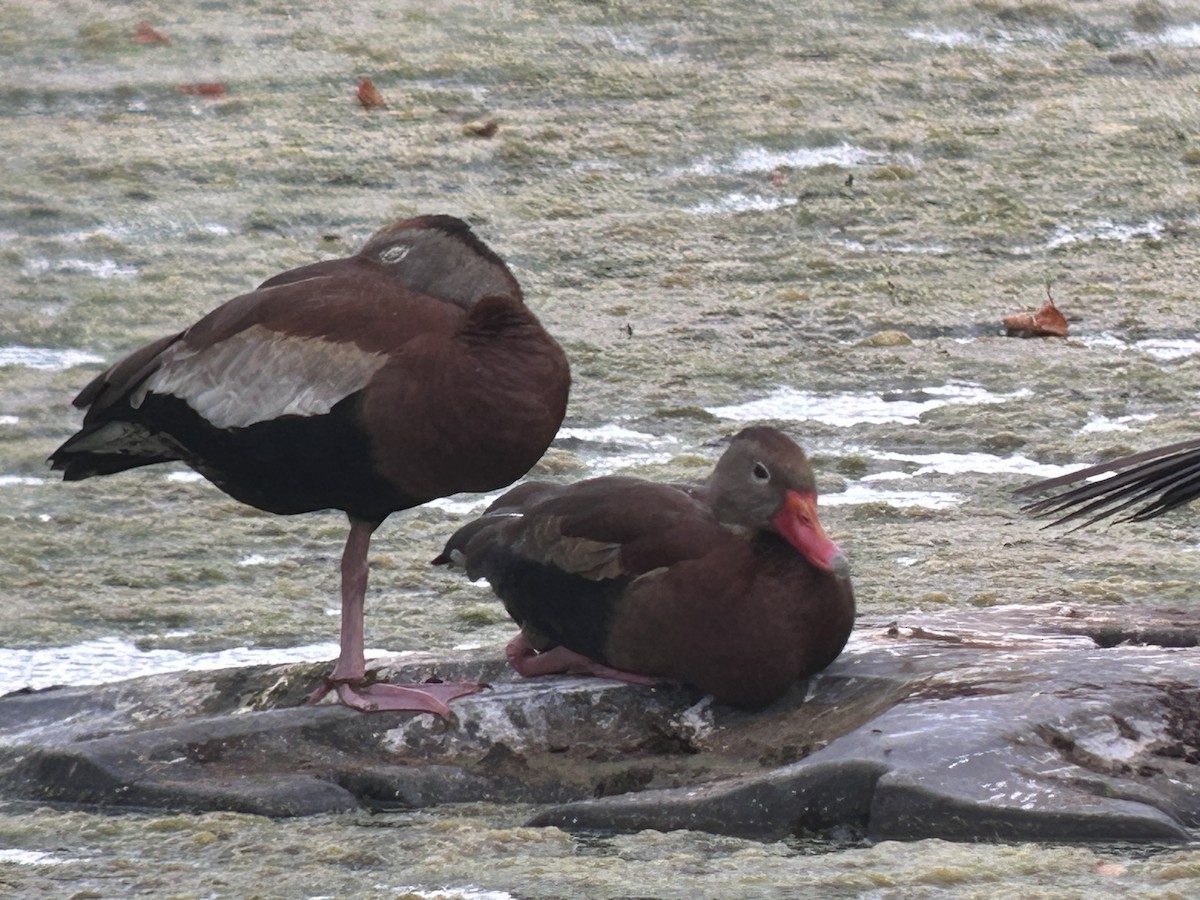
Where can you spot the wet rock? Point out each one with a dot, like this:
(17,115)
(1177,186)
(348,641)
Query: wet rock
(483,128)
(1002,442)
(201,742)
(1017,723)
(1150,16)
(886,339)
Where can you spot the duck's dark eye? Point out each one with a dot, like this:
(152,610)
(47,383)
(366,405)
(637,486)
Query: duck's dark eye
(760,472)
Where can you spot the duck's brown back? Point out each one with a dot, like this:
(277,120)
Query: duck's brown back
(409,371)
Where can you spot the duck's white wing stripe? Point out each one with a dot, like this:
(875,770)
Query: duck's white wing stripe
(257,375)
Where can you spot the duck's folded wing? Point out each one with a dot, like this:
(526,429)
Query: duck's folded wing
(563,559)
(604,528)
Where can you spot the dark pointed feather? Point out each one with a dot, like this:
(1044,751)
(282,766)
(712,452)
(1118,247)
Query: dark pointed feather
(1162,479)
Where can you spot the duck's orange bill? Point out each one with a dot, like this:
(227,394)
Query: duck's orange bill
(797,521)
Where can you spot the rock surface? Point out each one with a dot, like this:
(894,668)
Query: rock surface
(1040,723)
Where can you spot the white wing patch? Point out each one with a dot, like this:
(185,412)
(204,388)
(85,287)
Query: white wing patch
(258,374)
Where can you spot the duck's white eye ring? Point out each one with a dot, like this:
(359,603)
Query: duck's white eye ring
(760,472)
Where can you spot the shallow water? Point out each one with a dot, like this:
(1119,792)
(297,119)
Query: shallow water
(853,408)
(104,660)
(712,205)
(46,358)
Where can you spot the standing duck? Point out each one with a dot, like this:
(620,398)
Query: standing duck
(371,384)
(731,586)
(1159,479)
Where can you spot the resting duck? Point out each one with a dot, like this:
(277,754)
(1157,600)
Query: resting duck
(731,586)
(1159,479)
(371,384)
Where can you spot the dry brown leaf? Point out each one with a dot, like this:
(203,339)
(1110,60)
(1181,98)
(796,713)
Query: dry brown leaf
(1045,321)
(204,89)
(145,33)
(369,96)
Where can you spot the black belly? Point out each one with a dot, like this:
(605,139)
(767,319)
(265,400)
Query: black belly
(566,609)
(289,465)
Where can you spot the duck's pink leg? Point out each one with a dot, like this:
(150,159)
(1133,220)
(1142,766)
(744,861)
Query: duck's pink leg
(528,662)
(347,677)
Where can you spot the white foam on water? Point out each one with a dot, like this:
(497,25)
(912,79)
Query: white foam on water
(110,659)
(992,39)
(1103,339)
(851,409)
(460,893)
(9,420)
(960,463)
(943,37)
(760,159)
(738,202)
(259,559)
(19,857)
(1175,36)
(146,228)
(46,358)
(1096,423)
(1166,348)
(877,487)
(624,40)
(643,448)
(607,465)
(611,433)
(18,480)
(1104,229)
(859,493)
(464,504)
(1159,348)
(915,249)
(105,268)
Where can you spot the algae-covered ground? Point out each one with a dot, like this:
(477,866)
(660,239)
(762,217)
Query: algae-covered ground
(829,206)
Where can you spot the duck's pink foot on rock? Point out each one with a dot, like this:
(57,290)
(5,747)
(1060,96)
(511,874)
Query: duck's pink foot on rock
(431,697)
(559,660)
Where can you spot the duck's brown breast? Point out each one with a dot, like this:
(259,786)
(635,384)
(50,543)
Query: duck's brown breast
(743,623)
